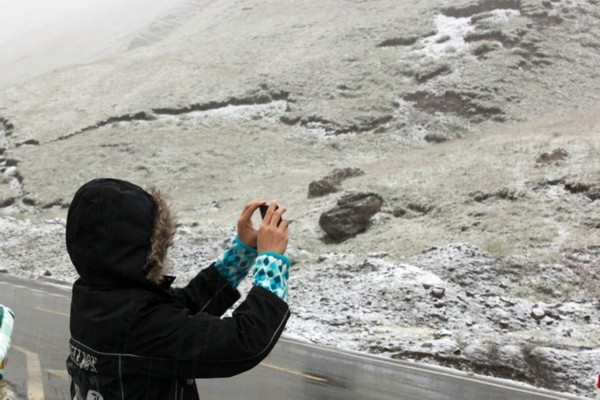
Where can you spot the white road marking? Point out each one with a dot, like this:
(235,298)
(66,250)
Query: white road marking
(59,373)
(34,290)
(47,293)
(19,286)
(292,372)
(57,295)
(52,311)
(35,385)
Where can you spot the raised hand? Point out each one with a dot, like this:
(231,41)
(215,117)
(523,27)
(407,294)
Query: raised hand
(246,232)
(273,232)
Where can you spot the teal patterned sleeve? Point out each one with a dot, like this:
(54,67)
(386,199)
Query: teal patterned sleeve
(272,271)
(236,261)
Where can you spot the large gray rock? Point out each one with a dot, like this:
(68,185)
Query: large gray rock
(331,182)
(351,215)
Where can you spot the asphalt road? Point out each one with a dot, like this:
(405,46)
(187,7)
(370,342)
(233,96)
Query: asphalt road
(294,370)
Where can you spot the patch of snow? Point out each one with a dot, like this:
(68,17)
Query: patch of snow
(270,112)
(504,15)
(451,32)
(449,38)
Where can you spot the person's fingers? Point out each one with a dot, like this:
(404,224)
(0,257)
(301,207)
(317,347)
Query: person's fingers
(283,226)
(276,218)
(269,213)
(250,207)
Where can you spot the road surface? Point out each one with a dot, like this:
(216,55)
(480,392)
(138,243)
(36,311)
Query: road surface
(293,370)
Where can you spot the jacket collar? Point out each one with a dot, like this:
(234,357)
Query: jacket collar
(167,282)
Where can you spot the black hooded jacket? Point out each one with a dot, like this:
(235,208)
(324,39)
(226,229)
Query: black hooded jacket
(132,338)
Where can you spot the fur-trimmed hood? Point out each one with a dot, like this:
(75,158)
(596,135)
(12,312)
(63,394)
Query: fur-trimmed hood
(119,234)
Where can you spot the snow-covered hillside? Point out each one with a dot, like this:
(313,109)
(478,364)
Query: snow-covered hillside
(475,122)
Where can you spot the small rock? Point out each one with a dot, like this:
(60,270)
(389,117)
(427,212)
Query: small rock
(427,286)
(479,196)
(436,138)
(399,212)
(290,119)
(322,187)
(322,258)
(331,182)
(7,202)
(504,324)
(368,265)
(508,194)
(47,273)
(538,314)
(568,333)
(577,187)
(421,207)
(441,317)
(593,193)
(555,156)
(507,301)
(441,334)
(439,304)
(438,293)
(29,201)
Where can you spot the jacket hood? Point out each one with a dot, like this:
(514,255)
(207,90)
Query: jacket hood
(117,233)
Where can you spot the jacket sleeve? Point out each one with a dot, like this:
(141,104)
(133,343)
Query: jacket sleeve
(174,344)
(208,292)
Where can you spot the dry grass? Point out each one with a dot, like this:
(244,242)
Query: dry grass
(535,219)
